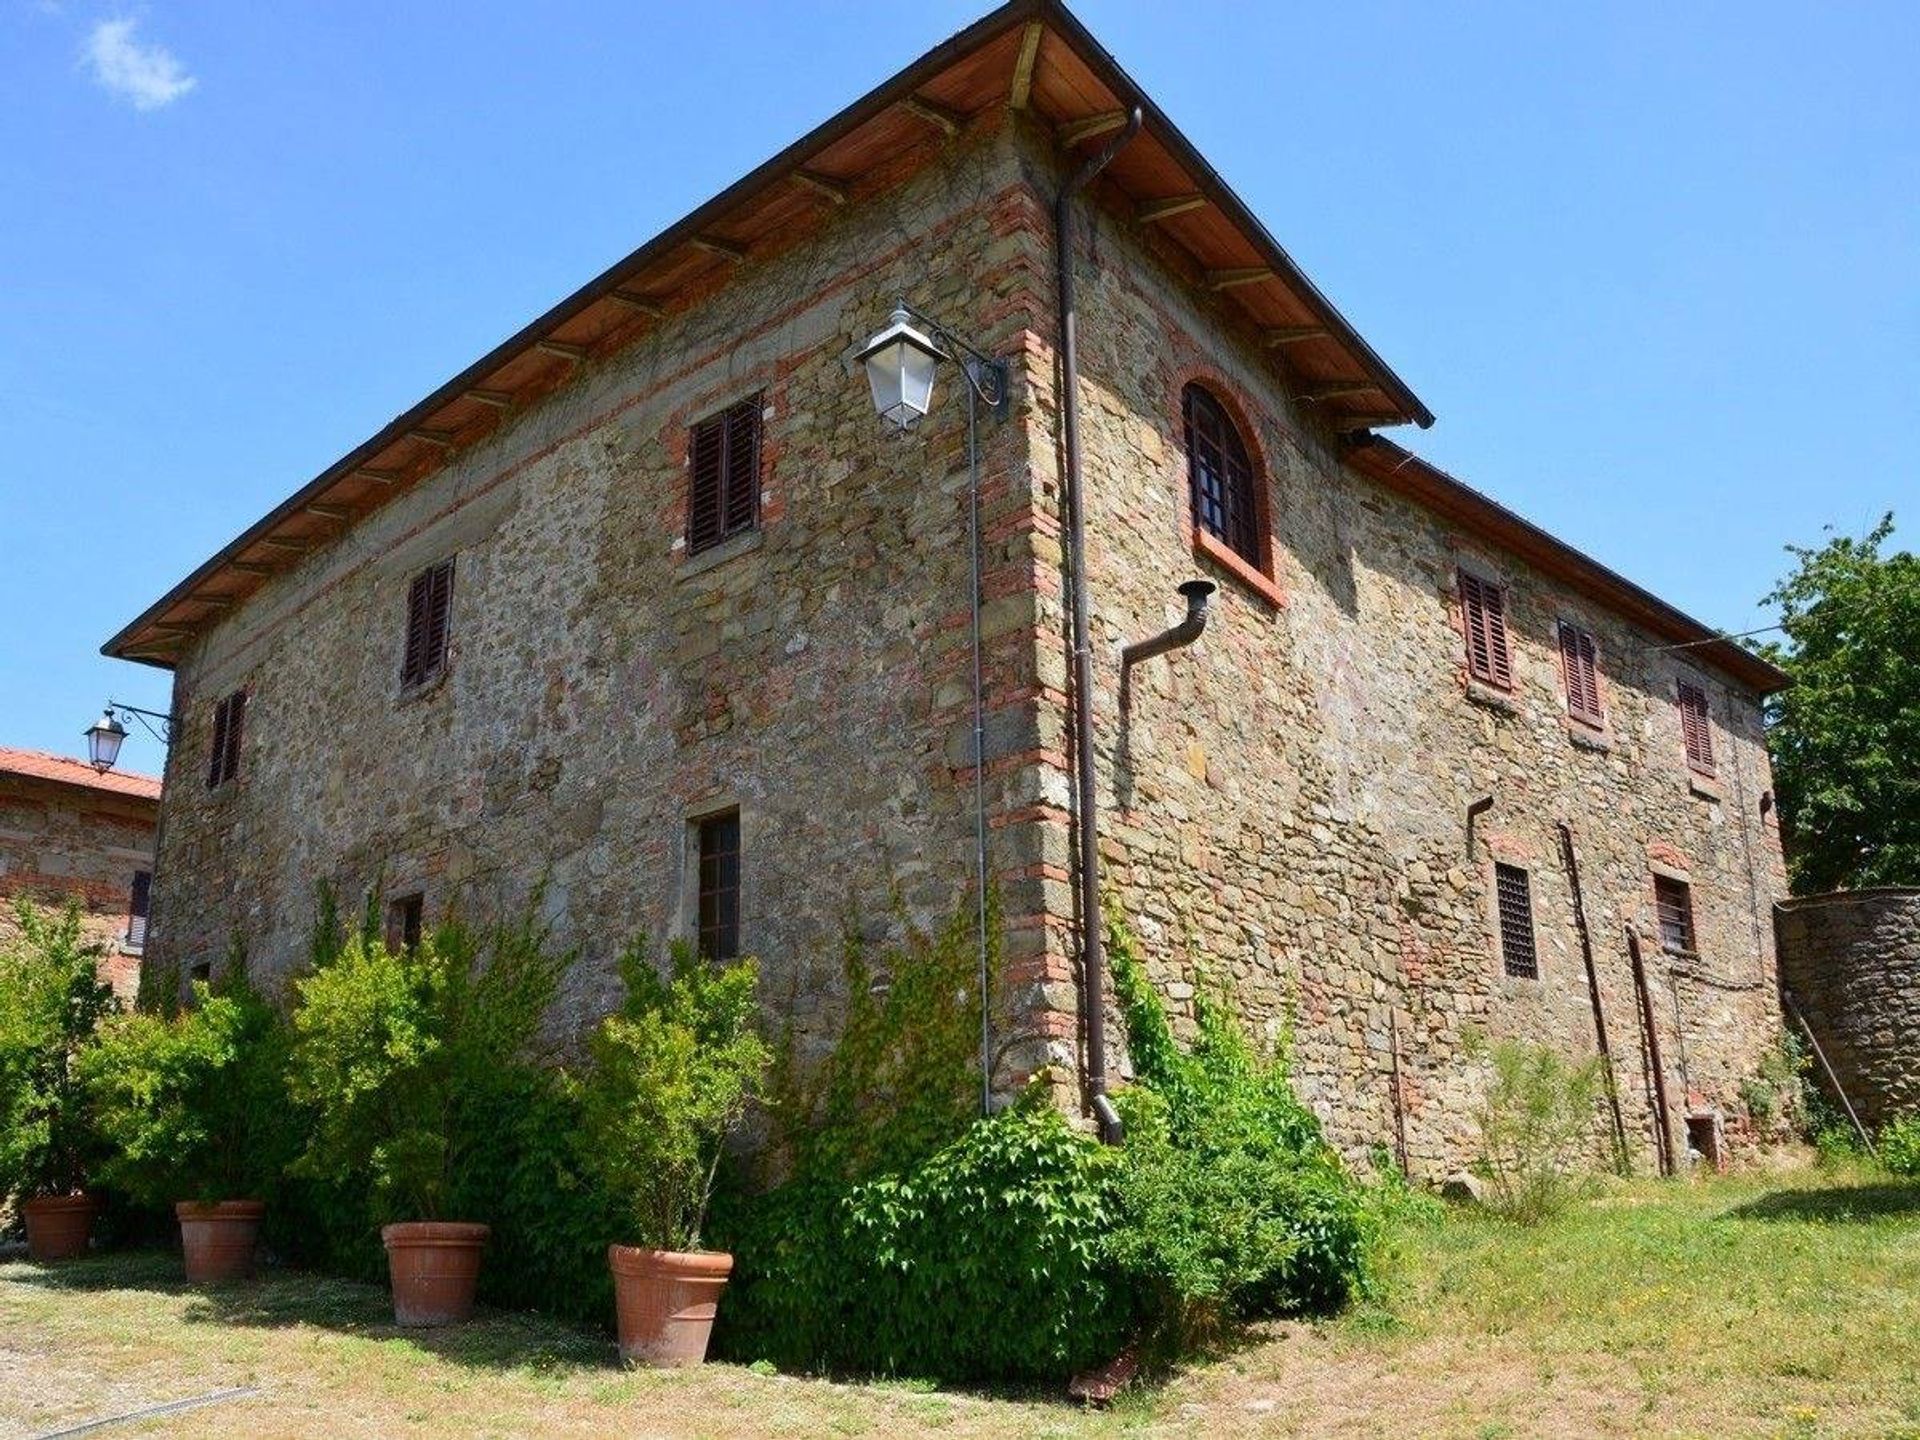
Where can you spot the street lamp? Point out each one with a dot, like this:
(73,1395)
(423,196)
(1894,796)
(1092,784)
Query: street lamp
(106,735)
(901,362)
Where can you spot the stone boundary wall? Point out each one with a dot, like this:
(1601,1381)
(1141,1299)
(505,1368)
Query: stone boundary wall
(1851,961)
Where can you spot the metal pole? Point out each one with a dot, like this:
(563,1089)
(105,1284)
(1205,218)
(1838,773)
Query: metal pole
(1662,1120)
(979,750)
(1833,1079)
(1593,992)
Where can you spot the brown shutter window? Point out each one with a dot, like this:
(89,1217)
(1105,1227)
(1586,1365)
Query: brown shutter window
(138,903)
(1220,475)
(1580,661)
(429,620)
(1513,894)
(1696,727)
(229,720)
(1673,906)
(1483,609)
(719,886)
(723,456)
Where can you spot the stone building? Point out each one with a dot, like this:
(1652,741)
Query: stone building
(648,605)
(68,833)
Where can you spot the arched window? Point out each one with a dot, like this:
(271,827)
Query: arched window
(1221,476)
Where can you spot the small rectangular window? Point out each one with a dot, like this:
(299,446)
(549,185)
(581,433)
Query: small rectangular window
(1483,608)
(404,917)
(1514,893)
(1580,660)
(229,720)
(723,455)
(1696,727)
(719,886)
(1673,903)
(137,904)
(429,615)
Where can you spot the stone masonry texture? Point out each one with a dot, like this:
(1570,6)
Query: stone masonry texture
(1284,805)
(1851,963)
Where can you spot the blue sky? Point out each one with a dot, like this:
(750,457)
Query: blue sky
(1656,269)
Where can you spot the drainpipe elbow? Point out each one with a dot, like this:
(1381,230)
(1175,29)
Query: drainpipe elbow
(1197,593)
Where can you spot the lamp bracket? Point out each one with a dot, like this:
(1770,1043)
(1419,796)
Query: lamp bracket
(987,375)
(163,731)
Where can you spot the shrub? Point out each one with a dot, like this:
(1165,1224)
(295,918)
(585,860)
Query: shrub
(672,1073)
(51,1002)
(194,1105)
(394,1052)
(1536,1129)
(1232,1204)
(1776,1093)
(1898,1146)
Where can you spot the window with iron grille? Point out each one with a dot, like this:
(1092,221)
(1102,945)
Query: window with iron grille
(1220,475)
(1673,905)
(1483,610)
(1696,727)
(138,902)
(1580,661)
(719,886)
(429,619)
(406,919)
(723,455)
(229,720)
(1514,893)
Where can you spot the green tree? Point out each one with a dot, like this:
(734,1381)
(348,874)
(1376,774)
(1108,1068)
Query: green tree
(1846,734)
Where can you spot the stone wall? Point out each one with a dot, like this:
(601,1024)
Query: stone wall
(61,843)
(1286,803)
(1851,962)
(604,691)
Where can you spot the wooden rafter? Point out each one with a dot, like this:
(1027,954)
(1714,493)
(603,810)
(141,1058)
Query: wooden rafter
(937,115)
(1150,212)
(1088,126)
(1293,334)
(575,353)
(634,300)
(282,542)
(1234,279)
(714,245)
(442,438)
(254,567)
(496,399)
(1336,389)
(1021,91)
(380,477)
(329,512)
(838,192)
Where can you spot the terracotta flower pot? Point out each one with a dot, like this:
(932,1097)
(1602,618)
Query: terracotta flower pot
(216,1240)
(666,1301)
(434,1265)
(58,1226)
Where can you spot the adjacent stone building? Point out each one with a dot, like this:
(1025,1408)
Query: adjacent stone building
(647,606)
(69,834)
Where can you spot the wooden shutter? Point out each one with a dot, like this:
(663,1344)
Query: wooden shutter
(229,719)
(1580,660)
(1483,607)
(723,457)
(1696,727)
(1513,894)
(138,904)
(429,619)
(1673,906)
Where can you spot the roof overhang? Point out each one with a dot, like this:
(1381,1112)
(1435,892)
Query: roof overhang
(1029,55)
(1400,470)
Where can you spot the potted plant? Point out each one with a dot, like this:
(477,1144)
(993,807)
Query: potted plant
(193,1109)
(52,999)
(387,1046)
(673,1072)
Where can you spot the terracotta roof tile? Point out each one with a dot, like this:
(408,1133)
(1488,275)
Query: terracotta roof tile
(39,765)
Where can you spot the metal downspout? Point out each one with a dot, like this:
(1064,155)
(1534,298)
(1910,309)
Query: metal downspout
(1092,948)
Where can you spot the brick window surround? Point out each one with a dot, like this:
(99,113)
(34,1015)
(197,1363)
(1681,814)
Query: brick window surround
(1673,908)
(1226,492)
(229,721)
(723,464)
(1580,669)
(717,885)
(1483,620)
(1696,727)
(1513,897)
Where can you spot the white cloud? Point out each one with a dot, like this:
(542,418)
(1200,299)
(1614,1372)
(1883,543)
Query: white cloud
(145,76)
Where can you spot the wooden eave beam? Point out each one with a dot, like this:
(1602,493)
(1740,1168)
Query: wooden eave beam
(252,567)
(1235,278)
(380,477)
(1088,126)
(1151,212)
(635,301)
(1337,389)
(714,245)
(1021,91)
(837,192)
(493,399)
(329,512)
(1293,334)
(442,438)
(575,353)
(282,542)
(948,122)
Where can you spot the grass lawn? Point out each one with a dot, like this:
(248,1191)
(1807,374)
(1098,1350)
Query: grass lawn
(1763,1305)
